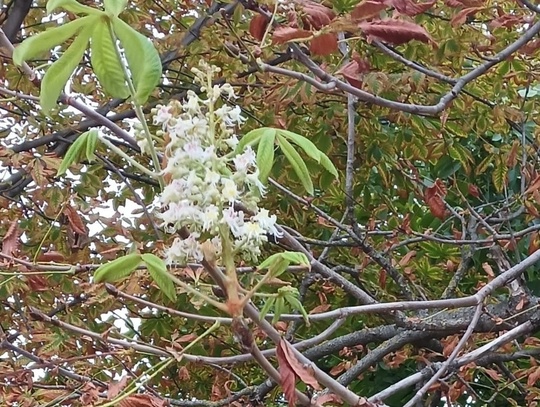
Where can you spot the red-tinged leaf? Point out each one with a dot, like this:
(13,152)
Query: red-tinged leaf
(533,377)
(142,400)
(317,16)
(464,3)
(437,207)
(534,185)
(284,34)
(530,48)
(37,283)
(382,279)
(286,375)
(304,373)
(368,9)
(407,258)
(257,26)
(511,161)
(473,190)
(460,18)
(329,398)
(325,44)
(395,31)
(493,374)
(354,70)
(488,269)
(507,21)
(75,220)
(51,256)
(10,242)
(411,9)
(116,387)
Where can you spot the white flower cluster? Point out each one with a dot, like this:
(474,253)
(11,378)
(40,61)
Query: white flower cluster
(206,177)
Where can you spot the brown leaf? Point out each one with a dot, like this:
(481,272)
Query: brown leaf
(284,34)
(305,373)
(286,375)
(488,269)
(395,31)
(382,278)
(506,20)
(115,387)
(368,9)
(532,378)
(464,3)
(535,184)
(317,15)
(329,398)
(449,344)
(411,9)
(257,26)
(142,400)
(51,256)
(407,258)
(433,197)
(324,44)
(460,18)
(354,70)
(10,242)
(75,220)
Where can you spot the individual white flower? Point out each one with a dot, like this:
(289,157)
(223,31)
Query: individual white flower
(253,231)
(211,177)
(253,180)
(163,116)
(267,222)
(232,141)
(234,220)
(229,191)
(210,217)
(194,151)
(191,106)
(235,116)
(243,162)
(227,89)
(183,250)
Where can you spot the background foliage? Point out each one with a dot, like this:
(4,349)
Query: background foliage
(429,112)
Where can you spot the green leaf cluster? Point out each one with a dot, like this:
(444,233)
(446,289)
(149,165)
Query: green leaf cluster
(101,29)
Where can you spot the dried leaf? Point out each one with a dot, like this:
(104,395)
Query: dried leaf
(257,26)
(10,242)
(304,373)
(368,9)
(488,269)
(324,44)
(411,9)
(317,16)
(433,197)
(354,70)
(286,375)
(284,34)
(142,400)
(460,18)
(395,31)
(407,258)
(75,220)
(473,190)
(329,398)
(115,387)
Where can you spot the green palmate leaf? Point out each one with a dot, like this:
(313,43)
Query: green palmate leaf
(83,147)
(298,165)
(39,44)
(73,6)
(278,263)
(279,308)
(291,295)
(254,137)
(158,272)
(106,63)
(143,59)
(269,302)
(58,73)
(115,7)
(296,258)
(307,145)
(117,269)
(265,155)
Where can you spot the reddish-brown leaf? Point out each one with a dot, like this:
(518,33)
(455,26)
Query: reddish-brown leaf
(10,242)
(533,377)
(257,26)
(488,269)
(507,21)
(464,3)
(368,9)
(329,398)
(409,8)
(75,220)
(354,70)
(284,34)
(534,185)
(407,258)
(395,31)
(460,18)
(305,373)
(530,48)
(324,44)
(382,278)
(115,387)
(473,190)
(317,16)
(51,256)
(433,196)
(286,375)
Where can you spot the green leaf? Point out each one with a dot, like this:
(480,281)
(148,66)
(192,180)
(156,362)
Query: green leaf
(298,165)
(276,264)
(499,176)
(158,272)
(254,137)
(265,155)
(305,144)
(279,308)
(106,63)
(73,6)
(291,295)
(84,146)
(115,7)
(58,74)
(296,258)
(39,44)
(143,59)
(117,269)
(328,165)
(268,304)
